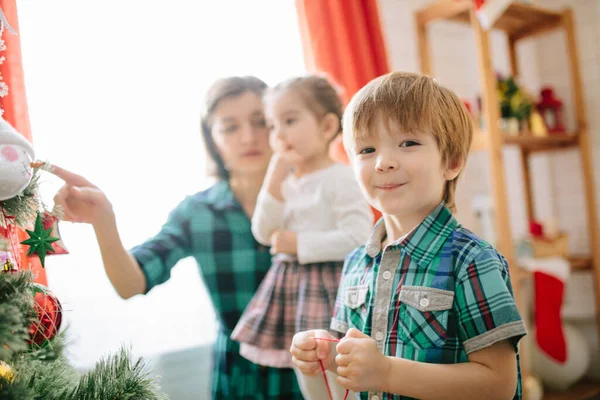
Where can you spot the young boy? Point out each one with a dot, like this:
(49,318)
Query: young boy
(426,307)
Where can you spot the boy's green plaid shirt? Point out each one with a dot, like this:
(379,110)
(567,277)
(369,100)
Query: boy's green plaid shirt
(211,227)
(436,296)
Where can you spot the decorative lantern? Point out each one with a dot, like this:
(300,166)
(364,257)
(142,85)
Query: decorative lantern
(551,109)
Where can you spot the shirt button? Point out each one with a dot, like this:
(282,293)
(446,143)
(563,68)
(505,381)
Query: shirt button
(374,397)
(424,302)
(387,275)
(379,335)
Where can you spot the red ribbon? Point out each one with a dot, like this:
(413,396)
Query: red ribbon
(323,370)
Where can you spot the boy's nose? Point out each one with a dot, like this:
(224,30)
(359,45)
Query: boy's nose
(386,164)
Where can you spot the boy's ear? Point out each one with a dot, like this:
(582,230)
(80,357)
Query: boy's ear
(331,126)
(453,169)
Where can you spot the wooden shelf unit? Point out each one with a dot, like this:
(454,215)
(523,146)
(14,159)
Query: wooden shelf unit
(521,21)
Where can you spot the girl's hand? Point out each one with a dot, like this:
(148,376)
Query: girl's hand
(278,170)
(284,242)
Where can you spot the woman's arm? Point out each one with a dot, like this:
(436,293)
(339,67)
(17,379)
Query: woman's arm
(82,201)
(121,267)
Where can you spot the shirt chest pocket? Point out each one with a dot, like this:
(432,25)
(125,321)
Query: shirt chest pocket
(423,316)
(355,296)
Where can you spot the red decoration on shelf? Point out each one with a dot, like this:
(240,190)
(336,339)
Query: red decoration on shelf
(49,311)
(467,104)
(536,229)
(478,3)
(551,110)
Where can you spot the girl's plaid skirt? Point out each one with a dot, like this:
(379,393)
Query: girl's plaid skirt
(292,297)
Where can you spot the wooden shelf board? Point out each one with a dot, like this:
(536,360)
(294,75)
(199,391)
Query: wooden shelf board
(444,10)
(578,263)
(518,20)
(580,391)
(527,142)
(536,143)
(523,20)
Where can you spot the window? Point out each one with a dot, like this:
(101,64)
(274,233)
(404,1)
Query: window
(114,90)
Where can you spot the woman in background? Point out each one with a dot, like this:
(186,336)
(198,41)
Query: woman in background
(212,226)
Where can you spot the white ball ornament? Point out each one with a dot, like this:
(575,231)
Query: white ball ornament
(559,376)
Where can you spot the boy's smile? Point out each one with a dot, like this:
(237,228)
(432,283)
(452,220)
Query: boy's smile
(389,186)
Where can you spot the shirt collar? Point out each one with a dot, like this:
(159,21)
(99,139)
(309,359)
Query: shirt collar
(221,197)
(424,241)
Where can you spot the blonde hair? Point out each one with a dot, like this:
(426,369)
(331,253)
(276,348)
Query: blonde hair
(417,104)
(318,93)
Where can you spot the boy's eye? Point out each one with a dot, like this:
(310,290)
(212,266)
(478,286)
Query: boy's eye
(409,143)
(290,121)
(366,150)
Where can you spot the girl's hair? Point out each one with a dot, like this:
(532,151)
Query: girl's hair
(220,90)
(318,93)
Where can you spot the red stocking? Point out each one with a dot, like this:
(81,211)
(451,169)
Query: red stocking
(550,336)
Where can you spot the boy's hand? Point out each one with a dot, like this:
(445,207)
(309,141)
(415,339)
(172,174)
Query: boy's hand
(361,366)
(284,242)
(307,351)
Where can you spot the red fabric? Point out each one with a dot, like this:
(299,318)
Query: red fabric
(478,3)
(549,334)
(344,40)
(15,108)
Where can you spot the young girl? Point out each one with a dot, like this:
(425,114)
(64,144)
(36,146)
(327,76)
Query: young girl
(310,211)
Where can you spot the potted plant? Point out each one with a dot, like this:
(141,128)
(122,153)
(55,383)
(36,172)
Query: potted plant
(515,106)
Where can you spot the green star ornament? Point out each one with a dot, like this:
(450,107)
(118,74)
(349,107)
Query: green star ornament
(40,241)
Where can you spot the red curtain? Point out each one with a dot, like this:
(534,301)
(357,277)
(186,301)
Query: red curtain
(343,38)
(15,107)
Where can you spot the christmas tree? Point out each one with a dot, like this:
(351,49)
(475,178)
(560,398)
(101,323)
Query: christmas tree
(32,365)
